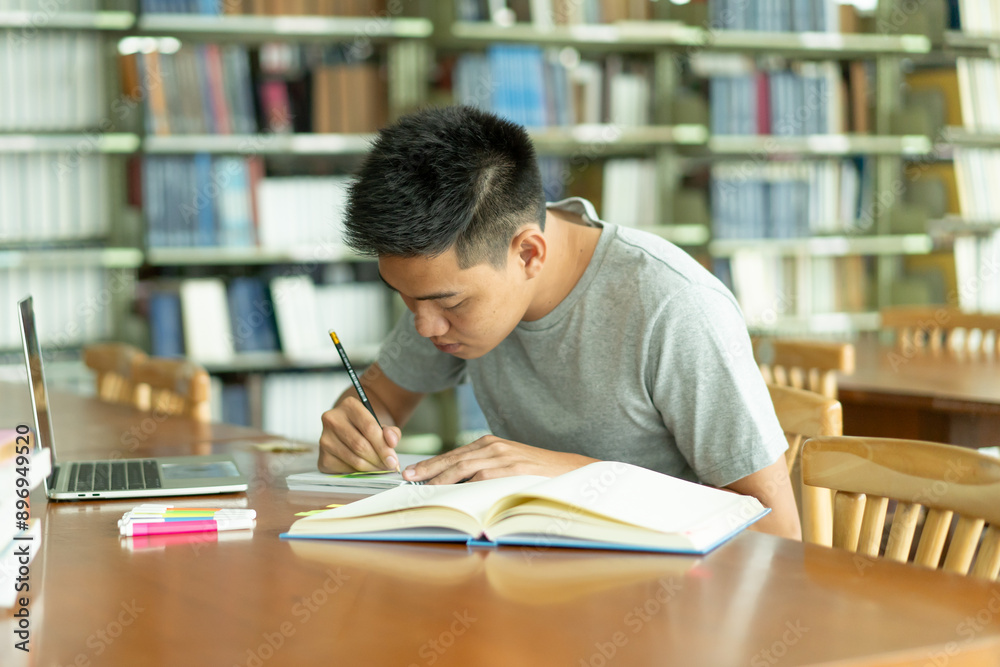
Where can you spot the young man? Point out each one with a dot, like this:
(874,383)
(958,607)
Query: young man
(583,340)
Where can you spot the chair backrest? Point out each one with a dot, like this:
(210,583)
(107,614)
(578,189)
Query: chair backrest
(943,328)
(805,414)
(173,387)
(945,480)
(804,364)
(113,363)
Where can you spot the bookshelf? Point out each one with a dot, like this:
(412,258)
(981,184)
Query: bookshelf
(671,43)
(673,142)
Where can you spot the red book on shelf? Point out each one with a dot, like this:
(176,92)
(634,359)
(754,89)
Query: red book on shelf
(220,109)
(763,104)
(276,107)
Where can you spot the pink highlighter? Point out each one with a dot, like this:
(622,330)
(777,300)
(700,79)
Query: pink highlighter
(133,528)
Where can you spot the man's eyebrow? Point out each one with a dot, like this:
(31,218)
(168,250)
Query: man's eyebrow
(427,297)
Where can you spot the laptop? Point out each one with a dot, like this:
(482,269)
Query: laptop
(115,478)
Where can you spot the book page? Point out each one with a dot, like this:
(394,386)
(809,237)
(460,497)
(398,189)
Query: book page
(640,497)
(473,499)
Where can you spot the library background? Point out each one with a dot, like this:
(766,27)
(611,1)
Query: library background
(172,173)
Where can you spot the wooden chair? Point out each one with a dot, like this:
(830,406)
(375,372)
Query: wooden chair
(804,364)
(173,387)
(946,480)
(805,414)
(113,362)
(938,328)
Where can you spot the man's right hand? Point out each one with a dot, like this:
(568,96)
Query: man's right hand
(352,440)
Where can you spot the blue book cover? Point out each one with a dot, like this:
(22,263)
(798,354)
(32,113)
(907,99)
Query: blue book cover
(165,326)
(204,202)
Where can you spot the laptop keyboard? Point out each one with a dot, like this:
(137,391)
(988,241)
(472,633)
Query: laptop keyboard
(114,476)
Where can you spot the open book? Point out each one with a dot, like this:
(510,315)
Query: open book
(604,505)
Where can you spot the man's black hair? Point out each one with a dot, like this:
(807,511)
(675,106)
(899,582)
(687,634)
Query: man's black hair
(446,177)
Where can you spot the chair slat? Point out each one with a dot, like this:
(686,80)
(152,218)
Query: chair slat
(848,509)
(870,538)
(963,545)
(988,561)
(933,537)
(904,525)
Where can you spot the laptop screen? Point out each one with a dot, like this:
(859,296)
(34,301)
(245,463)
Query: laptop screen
(36,378)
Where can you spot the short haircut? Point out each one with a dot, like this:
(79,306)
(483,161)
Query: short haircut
(446,177)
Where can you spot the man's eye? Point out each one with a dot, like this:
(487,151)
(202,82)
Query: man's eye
(455,306)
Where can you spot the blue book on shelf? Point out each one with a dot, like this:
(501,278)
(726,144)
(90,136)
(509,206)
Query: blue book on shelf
(235,404)
(165,326)
(205,203)
(252,316)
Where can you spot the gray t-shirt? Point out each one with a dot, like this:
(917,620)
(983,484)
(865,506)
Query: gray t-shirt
(647,361)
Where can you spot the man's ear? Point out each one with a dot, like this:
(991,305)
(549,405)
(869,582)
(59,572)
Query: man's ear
(530,250)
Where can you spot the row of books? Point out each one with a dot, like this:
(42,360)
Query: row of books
(53,196)
(210,321)
(628,192)
(294,402)
(51,81)
(768,288)
(554,12)
(267,7)
(536,88)
(20,535)
(204,201)
(807,99)
(304,211)
(979,93)
(976,16)
(977,272)
(198,89)
(786,200)
(200,201)
(776,15)
(71,304)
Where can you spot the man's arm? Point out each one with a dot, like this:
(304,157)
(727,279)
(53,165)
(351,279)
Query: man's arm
(772,487)
(352,439)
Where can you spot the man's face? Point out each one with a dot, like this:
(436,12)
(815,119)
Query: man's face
(464,312)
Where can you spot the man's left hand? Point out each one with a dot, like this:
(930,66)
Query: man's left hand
(490,457)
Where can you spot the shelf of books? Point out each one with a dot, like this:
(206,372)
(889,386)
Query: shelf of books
(655,35)
(827,246)
(35,257)
(300,29)
(96,142)
(34,19)
(62,152)
(259,144)
(971,137)
(257,118)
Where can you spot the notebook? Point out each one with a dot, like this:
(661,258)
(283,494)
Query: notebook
(120,477)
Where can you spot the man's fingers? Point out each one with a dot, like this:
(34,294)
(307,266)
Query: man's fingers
(433,467)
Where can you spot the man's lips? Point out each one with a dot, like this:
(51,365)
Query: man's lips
(450,348)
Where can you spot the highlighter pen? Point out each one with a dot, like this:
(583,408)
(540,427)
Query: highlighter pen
(133,529)
(357,383)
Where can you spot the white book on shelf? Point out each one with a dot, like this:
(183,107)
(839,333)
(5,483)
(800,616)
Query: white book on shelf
(963,66)
(205,313)
(301,333)
(966,251)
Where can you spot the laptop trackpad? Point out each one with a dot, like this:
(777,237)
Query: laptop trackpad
(206,470)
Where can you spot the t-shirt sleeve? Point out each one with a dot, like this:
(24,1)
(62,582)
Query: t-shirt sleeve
(412,361)
(707,387)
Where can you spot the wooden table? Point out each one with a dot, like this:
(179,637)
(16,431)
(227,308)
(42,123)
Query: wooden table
(255,600)
(922,395)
